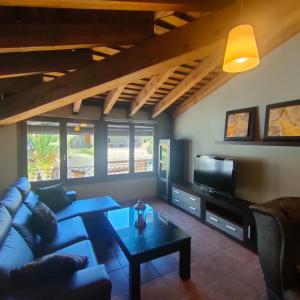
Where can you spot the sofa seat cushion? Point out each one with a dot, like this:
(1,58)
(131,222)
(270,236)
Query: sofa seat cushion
(83,248)
(69,232)
(14,253)
(87,206)
(21,222)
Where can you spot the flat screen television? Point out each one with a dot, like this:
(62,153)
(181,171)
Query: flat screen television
(216,174)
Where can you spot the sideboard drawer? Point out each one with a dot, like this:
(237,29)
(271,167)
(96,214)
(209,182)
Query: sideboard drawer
(192,209)
(214,220)
(178,202)
(186,201)
(225,225)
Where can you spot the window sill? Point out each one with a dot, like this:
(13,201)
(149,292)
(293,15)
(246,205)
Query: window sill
(89,180)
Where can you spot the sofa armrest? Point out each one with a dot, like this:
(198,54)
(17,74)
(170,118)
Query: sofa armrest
(72,195)
(86,284)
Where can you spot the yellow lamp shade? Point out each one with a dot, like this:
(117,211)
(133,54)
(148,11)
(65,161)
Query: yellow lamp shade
(241,51)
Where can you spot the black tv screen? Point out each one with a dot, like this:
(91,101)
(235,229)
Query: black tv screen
(215,173)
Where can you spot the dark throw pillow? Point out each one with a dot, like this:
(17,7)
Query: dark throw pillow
(46,268)
(291,208)
(54,196)
(43,222)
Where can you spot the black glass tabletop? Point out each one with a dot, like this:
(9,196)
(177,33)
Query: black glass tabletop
(158,232)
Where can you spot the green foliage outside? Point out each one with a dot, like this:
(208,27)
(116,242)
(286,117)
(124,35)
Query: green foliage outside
(43,156)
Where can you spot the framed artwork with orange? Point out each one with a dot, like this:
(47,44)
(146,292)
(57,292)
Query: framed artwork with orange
(239,125)
(282,121)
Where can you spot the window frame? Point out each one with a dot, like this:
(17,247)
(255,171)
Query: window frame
(132,173)
(100,151)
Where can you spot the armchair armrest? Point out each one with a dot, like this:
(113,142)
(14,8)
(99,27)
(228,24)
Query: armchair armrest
(72,195)
(86,284)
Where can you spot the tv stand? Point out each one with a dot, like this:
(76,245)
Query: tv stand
(229,215)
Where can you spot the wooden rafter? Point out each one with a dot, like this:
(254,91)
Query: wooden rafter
(289,26)
(149,89)
(135,5)
(76,107)
(58,36)
(186,84)
(111,99)
(141,61)
(218,81)
(180,45)
(42,62)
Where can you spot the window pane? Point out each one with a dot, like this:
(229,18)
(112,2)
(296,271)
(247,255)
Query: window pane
(143,149)
(80,147)
(118,149)
(43,157)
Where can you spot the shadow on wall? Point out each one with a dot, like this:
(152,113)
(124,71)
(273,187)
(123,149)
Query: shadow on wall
(189,154)
(251,180)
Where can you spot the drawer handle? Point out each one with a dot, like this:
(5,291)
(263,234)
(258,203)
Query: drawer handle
(214,219)
(176,200)
(193,199)
(176,192)
(193,208)
(231,228)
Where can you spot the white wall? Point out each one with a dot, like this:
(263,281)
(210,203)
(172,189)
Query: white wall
(263,172)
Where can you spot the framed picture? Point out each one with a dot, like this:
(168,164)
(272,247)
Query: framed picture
(282,121)
(239,125)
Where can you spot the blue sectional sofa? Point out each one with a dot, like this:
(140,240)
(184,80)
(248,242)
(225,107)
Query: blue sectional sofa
(19,246)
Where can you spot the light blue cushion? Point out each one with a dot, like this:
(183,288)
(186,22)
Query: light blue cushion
(87,206)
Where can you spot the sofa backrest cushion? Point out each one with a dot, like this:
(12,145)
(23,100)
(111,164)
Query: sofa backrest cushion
(24,186)
(14,253)
(22,223)
(55,197)
(12,200)
(5,224)
(31,200)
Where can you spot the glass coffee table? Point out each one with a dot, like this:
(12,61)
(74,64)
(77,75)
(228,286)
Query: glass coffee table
(159,238)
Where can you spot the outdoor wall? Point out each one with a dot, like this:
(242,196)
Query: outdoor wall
(263,172)
(122,190)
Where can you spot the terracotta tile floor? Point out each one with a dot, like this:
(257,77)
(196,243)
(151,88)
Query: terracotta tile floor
(220,270)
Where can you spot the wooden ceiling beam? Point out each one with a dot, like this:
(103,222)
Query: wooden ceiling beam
(287,27)
(58,36)
(131,5)
(149,89)
(42,62)
(76,107)
(179,46)
(187,83)
(112,98)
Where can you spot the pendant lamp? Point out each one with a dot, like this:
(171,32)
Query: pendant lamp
(241,52)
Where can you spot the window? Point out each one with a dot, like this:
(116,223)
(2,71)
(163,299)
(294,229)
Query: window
(43,151)
(118,140)
(70,150)
(80,148)
(143,149)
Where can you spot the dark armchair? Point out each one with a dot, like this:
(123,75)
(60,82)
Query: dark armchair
(278,242)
